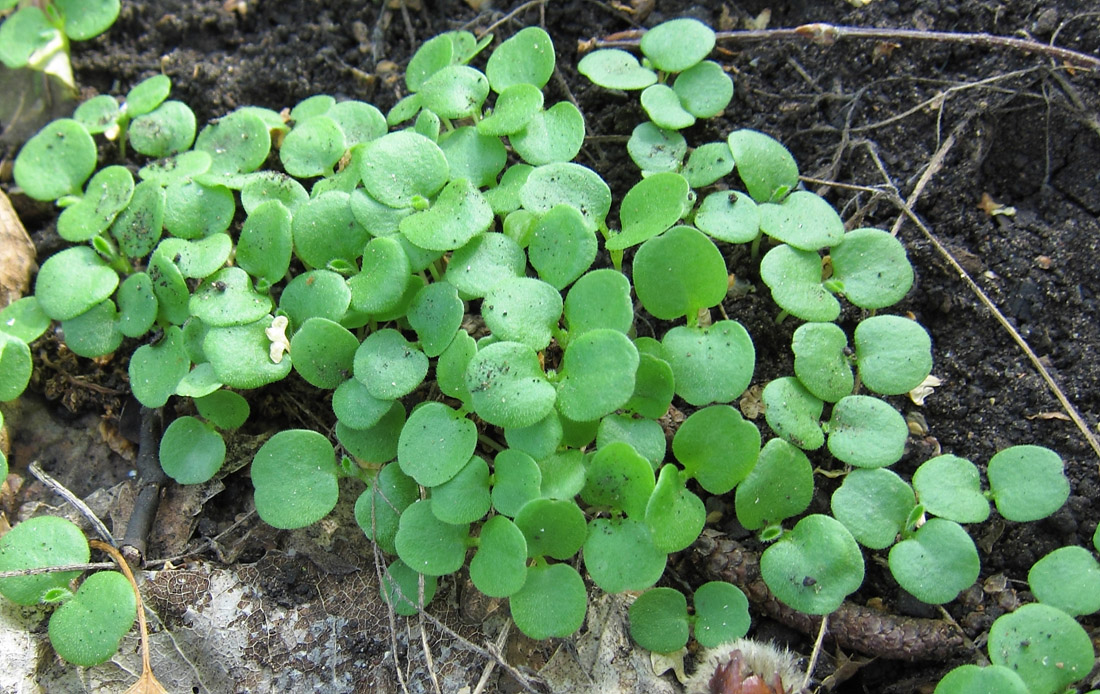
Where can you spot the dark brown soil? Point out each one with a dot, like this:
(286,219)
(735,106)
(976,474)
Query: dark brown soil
(1017,127)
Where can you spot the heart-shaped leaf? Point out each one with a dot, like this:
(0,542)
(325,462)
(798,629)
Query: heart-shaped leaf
(814,566)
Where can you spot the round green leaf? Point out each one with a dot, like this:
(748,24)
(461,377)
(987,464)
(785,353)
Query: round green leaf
(450,370)
(325,231)
(427,544)
(295,475)
(241,355)
(459,214)
(712,364)
(38,542)
(563,473)
(557,585)
(1047,648)
(524,310)
(312,148)
(619,555)
(317,293)
(820,362)
(139,226)
(95,332)
(645,436)
(436,315)
(226,298)
(147,94)
(526,58)
(456,91)
(97,114)
(324,352)
(872,268)
(378,509)
(793,413)
(223,408)
(24,319)
(653,205)
(654,387)
(618,478)
(199,258)
(728,215)
(403,165)
(237,143)
(674,514)
(72,281)
(15,367)
(193,210)
(937,563)
(721,613)
(794,277)
(88,628)
(865,431)
(540,440)
(659,620)
(170,288)
(359,121)
(156,369)
(599,299)
(389,365)
(780,485)
(663,107)
(266,244)
(950,487)
(814,566)
(514,108)
(654,149)
(401,588)
(57,160)
(1068,578)
(874,505)
(167,130)
(612,68)
(199,381)
(552,527)
(676,45)
(508,386)
(1027,482)
(272,186)
(376,443)
(484,262)
(465,497)
(499,568)
(803,220)
(107,194)
(704,89)
(894,354)
(566,183)
(597,374)
(552,135)
(356,407)
(517,479)
(717,447)
(705,165)
(191,451)
(477,157)
(765,166)
(177,168)
(504,198)
(435,444)
(973,679)
(678,273)
(380,284)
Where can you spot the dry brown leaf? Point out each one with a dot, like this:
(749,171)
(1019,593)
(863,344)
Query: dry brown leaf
(1050,415)
(17,260)
(147,684)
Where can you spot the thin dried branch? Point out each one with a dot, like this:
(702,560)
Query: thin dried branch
(73,500)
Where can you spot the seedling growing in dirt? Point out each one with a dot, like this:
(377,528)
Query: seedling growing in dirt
(659,619)
(88,626)
(37,36)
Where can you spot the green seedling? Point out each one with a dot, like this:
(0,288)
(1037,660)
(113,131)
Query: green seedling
(659,619)
(88,625)
(37,36)
(378,247)
(1068,578)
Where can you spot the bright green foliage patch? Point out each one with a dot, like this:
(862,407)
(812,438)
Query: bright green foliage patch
(40,541)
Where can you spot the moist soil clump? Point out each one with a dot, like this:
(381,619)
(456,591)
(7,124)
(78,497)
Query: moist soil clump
(995,151)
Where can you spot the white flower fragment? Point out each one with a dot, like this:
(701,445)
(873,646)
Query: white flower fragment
(926,388)
(277,334)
